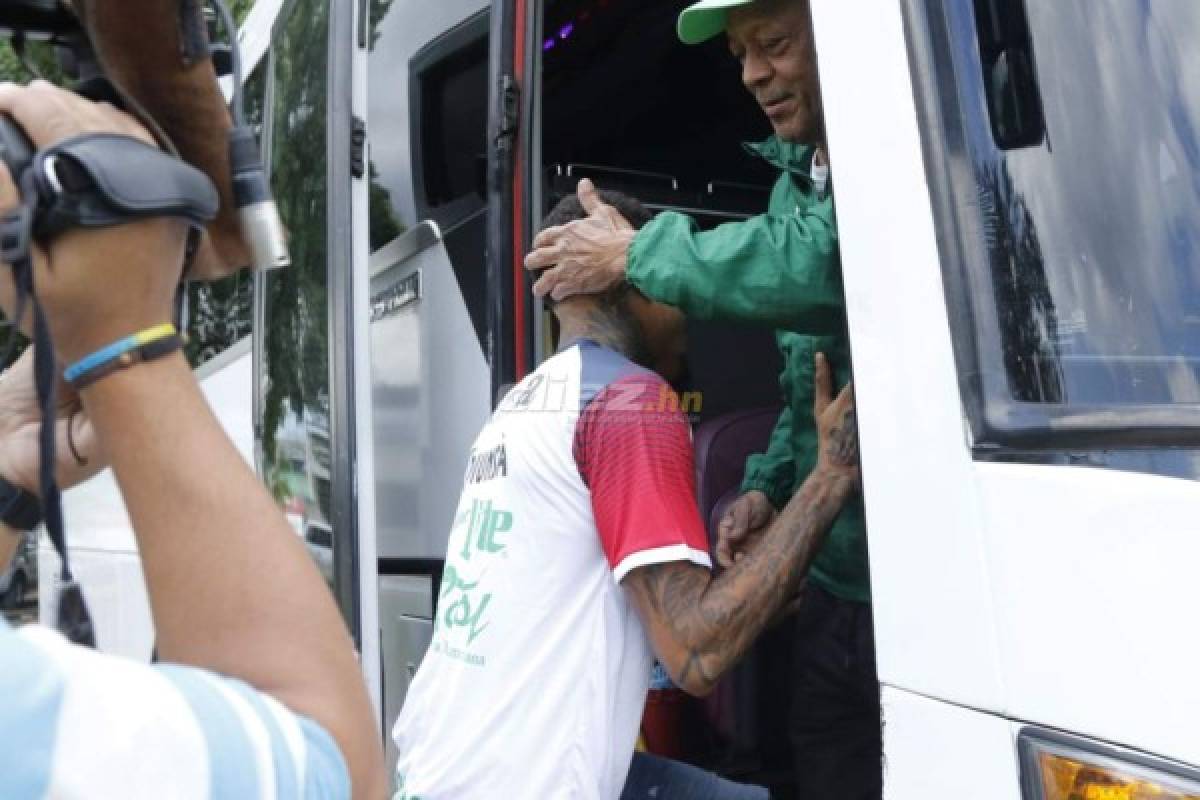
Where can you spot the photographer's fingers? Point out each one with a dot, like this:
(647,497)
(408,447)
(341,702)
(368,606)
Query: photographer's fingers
(9,198)
(822,385)
(49,114)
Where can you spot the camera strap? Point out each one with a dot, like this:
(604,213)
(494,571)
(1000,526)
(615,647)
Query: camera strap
(89,181)
(73,619)
(103,180)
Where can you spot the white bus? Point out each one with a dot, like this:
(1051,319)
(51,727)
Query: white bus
(1018,194)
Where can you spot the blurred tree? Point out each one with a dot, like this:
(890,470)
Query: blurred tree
(240,9)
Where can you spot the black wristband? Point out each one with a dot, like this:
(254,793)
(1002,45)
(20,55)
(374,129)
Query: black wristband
(146,352)
(19,509)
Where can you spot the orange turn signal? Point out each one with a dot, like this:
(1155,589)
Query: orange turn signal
(1067,771)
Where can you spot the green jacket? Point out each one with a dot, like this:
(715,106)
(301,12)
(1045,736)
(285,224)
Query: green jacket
(781,269)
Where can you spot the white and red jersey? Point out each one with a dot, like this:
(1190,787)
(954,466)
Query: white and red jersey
(536,679)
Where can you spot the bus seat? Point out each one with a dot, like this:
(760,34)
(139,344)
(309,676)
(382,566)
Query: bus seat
(716,203)
(739,710)
(722,446)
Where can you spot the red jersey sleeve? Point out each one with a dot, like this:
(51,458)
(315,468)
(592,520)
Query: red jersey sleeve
(633,448)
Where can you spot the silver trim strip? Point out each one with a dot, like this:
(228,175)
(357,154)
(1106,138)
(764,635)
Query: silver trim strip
(405,246)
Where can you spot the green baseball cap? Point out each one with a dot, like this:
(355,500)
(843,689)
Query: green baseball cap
(702,21)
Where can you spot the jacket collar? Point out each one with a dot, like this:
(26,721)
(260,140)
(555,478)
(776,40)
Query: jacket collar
(795,158)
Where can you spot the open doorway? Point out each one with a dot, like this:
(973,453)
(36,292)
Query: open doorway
(624,103)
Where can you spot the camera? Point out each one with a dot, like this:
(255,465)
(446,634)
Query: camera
(93,181)
(111,46)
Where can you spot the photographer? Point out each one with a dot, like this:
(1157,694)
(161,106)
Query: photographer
(260,694)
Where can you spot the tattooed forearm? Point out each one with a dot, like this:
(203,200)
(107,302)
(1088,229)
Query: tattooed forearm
(710,623)
(693,671)
(842,447)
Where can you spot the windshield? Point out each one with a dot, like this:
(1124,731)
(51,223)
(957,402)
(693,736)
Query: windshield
(1095,234)
(1063,142)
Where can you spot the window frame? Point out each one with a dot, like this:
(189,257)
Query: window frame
(339,309)
(470,33)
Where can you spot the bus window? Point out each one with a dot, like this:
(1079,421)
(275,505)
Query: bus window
(1076,291)
(449,106)
(295,434)
(429,154)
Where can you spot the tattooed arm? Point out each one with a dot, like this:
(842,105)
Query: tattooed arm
(700,625)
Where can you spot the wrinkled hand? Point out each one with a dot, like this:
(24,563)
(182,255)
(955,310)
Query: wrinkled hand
(743,525)
(97,285)
(587,256)
(21,422)
(837,427)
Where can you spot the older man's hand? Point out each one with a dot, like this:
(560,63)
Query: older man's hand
(587,256)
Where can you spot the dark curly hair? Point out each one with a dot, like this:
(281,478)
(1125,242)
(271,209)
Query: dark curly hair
(570,209)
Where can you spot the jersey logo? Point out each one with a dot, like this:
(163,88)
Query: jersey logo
(488,465)
(484,524)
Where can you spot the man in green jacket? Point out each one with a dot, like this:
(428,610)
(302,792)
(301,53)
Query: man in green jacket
(781,269)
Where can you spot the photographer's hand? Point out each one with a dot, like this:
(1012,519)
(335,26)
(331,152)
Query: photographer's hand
(89,281)
(78,456)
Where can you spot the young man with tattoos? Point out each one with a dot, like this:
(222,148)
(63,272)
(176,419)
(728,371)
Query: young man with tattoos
(578,555)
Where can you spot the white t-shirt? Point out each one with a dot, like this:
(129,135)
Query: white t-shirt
(820,176)
(536,679)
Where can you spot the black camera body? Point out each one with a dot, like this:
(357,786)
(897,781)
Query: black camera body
(40,17)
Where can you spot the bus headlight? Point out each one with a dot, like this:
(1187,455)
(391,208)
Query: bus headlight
(1056,767)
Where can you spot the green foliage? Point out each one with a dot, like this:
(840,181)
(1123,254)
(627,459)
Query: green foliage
(41,56)
(379,10)
(240,8)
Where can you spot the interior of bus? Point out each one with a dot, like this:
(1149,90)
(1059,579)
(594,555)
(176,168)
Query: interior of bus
(624,103)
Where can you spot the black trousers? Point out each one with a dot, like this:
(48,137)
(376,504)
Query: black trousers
(834,723)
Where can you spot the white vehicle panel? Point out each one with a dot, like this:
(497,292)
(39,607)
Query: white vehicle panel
(929,572)
(939,751)
(1095,576)
(431,385)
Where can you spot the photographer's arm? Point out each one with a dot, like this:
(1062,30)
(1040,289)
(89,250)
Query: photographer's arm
(231,588)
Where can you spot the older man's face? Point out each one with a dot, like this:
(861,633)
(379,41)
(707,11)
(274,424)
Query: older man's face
(772,40)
